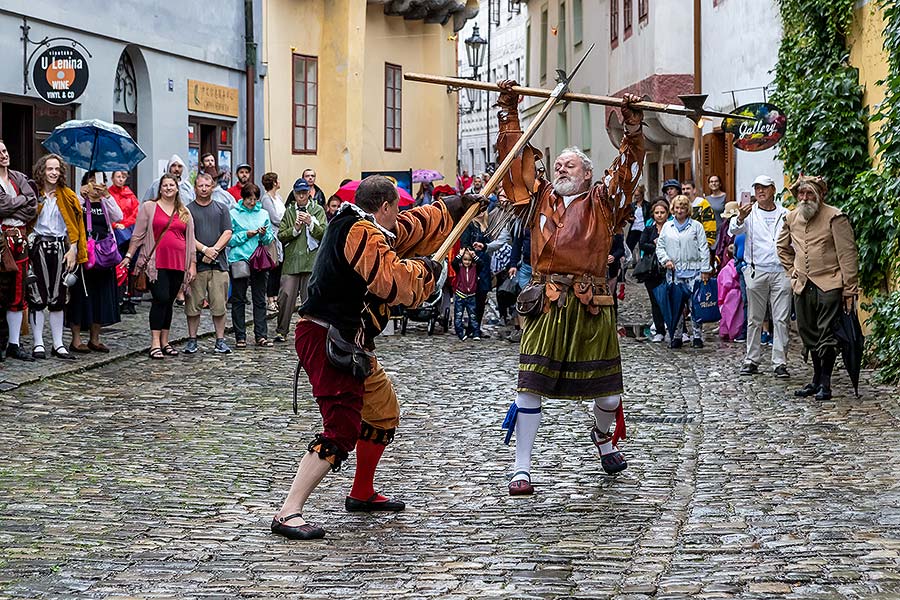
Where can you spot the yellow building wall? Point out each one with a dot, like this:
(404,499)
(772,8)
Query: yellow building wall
(352,41)
(867,54)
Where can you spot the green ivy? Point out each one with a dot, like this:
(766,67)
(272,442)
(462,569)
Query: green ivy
(827,135)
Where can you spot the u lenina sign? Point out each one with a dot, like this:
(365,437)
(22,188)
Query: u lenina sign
(60,75)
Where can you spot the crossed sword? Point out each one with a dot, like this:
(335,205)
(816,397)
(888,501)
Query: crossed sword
(692,108)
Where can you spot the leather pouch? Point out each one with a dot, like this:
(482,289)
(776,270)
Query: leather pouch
(346,356)
(530,302)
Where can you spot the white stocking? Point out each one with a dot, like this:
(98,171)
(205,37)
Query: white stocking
(57,320)
(14,322)
(604,416)
(37,327)
(526,430)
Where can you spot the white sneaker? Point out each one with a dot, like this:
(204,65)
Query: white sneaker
(685,338)
(658,338)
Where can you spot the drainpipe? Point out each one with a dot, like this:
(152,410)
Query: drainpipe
(699,183)
(251,81)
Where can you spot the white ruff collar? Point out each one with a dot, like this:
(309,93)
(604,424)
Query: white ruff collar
(367,216)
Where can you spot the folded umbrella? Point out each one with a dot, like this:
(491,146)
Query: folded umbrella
(94,145)
(850,340)
(425,175)
(671,297)
(347,193)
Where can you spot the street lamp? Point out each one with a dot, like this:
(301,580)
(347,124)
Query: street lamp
(475,48)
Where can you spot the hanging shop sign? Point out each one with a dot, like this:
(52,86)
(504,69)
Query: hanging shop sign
(764,131)
(60,74)
(212,98)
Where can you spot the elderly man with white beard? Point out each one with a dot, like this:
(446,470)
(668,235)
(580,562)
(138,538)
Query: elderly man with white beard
(570,348)
(817,248)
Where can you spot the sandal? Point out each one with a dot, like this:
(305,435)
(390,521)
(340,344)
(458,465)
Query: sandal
(240,343)
(156,354)
(169,350)
(264,343)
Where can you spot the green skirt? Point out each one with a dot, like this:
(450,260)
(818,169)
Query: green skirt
(570,353)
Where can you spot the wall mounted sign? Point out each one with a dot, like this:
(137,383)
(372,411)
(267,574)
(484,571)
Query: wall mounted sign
(212,98)
(60,74)
(762,133)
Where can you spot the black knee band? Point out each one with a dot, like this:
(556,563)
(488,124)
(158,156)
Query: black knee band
(328,451)
(378,436)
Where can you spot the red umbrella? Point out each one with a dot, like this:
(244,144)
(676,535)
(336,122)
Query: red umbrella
(347,193)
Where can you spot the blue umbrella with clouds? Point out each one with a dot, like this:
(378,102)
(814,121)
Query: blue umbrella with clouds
(95,145)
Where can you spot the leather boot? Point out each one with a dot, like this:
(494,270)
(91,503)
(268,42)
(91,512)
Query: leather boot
(828,356)
(810,389)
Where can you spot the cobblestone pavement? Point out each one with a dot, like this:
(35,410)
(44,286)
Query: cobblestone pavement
(157,479)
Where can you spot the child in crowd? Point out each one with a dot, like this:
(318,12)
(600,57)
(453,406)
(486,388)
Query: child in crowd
(465,287)
(730,304)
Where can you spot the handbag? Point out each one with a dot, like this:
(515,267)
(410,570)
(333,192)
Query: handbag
(240,269)
(705,302)
(123,235)
(346,356)
(261,260)
(102,253)
(530,301)
(139,281)
(648,269)
(7,260)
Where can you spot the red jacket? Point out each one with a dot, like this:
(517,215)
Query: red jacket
(235,191)
(128,202)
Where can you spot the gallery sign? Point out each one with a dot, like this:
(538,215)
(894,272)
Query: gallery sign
(60,74)
(212,98)
(766,128)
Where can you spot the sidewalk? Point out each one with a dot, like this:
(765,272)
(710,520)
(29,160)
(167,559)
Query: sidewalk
(127,338)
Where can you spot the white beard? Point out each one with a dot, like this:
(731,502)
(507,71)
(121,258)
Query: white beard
(808,210)
(566,187)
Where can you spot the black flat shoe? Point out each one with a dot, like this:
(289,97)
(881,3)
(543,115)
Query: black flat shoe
(823,393)
(16,351)
(613,462)
(40,354)
(806,391)
(62,353)
(309,531)
(354,505)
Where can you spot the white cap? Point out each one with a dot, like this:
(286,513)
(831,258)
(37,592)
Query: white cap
(764,180)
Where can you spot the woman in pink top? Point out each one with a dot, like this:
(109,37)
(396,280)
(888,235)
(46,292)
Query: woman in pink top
(164,235)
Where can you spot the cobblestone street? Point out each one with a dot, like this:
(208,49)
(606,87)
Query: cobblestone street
(158,479)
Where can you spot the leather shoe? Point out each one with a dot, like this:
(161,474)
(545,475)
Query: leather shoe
(613,462)
(16,351)
(806,391)
(82,349)
(823,393)
(354,505)
(521,487)
(308,531)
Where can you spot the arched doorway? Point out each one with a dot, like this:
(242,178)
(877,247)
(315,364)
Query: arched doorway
(125,105)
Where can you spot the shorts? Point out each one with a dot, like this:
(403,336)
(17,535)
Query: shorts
(211,285)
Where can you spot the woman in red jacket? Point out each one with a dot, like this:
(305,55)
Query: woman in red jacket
(123,229)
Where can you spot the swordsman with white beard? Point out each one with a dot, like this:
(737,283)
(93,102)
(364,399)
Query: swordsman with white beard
(817,248)
(570,348)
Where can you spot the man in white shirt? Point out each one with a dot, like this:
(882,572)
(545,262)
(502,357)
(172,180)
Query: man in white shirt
(767,282)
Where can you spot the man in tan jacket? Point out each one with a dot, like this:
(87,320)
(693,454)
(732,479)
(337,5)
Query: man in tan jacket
(818,250)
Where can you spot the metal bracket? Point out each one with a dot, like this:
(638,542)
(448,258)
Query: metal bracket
(27,58)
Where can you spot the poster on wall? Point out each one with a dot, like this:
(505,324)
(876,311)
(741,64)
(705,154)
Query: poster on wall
(764,131)
(402,179)
(193,163)
(225,167)
(60,75)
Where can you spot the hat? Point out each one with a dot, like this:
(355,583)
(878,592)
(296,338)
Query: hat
(301,185)
(818,184)
(764,180)
(243,166)
(444,189)
(671,183)
(731,210)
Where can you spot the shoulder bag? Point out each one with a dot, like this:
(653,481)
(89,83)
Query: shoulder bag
(139,281)
(105,251)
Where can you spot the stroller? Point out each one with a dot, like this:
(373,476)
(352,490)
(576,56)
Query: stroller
(430,311)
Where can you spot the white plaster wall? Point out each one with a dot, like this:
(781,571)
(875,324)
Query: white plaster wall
(507,45)
(740,49)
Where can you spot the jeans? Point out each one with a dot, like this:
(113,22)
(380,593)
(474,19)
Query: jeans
(257,282)
(523,276)
(460,307)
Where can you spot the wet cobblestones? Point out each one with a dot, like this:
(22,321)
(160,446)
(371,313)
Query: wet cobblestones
(157,479)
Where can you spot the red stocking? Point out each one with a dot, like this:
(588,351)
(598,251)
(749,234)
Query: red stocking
(368,454)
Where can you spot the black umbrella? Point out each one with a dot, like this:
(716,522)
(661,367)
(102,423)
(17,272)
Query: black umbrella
(850,339)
